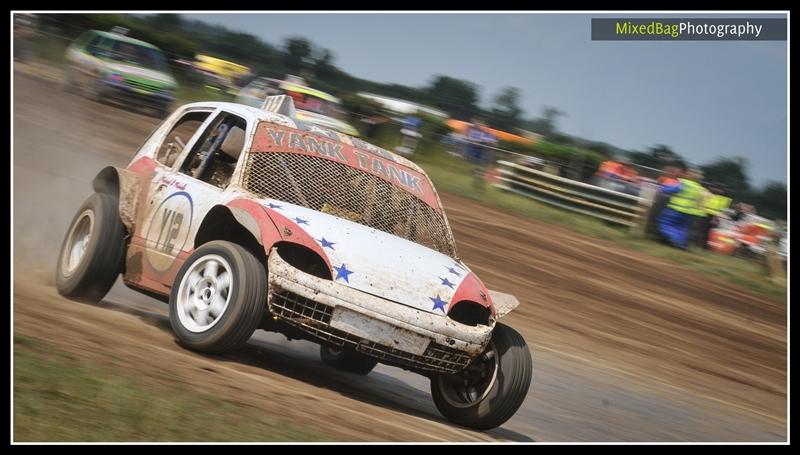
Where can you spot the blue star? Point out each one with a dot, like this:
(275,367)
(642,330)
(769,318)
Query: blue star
(438,303)
(327,244)
(274,206)
(453,271)
(446,282)
(342,272)
(300,220)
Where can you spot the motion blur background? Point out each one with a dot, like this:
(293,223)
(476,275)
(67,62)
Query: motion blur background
(633,340)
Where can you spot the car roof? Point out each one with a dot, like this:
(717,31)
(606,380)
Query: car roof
(255,114)
(290,86)
(125,39)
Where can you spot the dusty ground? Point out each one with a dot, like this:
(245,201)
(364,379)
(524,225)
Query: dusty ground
(625,347)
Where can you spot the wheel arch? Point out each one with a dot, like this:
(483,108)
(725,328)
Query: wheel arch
(124,185)
(236,225)
(250,226)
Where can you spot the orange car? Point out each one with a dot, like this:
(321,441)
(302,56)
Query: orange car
(749,236)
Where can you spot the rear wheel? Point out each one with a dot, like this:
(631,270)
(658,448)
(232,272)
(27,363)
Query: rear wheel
(70,80)
(491,389)
(93,250)
(347,360)
(218,298)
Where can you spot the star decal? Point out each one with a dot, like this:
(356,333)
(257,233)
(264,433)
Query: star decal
(300,220)
(274,206)
(327,244)
(446,282)
(342,272)
(438,303)
(453,271)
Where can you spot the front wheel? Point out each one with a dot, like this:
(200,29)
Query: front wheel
(491,389)
(218,298)
(162,111)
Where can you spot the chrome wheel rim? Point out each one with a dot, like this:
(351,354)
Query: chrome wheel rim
(204,293)
(77,242)
(470,386)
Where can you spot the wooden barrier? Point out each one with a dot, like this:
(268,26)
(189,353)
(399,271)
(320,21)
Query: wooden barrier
(608,205)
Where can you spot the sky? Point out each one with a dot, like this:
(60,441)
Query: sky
(704,99)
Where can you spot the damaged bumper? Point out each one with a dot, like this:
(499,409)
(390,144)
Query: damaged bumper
(387,331)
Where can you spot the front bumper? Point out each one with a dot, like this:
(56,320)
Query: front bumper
(127,94)
(390,332)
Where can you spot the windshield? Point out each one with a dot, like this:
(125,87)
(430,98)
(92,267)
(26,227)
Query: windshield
(310,103)
(136,54)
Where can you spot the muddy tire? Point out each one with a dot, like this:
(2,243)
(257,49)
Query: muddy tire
(92,252)
(347,360)
(498,383)
(218,298)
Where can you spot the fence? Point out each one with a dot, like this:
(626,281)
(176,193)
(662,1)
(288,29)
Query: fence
(608,205)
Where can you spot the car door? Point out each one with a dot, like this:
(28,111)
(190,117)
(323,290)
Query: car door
(183,191)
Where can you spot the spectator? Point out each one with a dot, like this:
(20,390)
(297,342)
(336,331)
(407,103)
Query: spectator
(668,179)
(742,211)
(478,138)
(373,124)
(410,131)
(617,175)
(684,205)
(629,177)
(713,206)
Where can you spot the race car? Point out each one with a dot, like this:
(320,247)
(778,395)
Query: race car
(313,106)
(244,218)
(747,238)
(111,66)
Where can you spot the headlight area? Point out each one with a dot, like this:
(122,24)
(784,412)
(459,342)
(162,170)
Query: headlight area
(471,313)
(115,79)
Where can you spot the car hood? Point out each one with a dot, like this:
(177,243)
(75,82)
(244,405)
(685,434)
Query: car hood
(326,122)
(138,72)
(379,263)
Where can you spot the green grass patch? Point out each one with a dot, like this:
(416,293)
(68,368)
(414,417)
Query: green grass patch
(191,93)
(453,175)
(58,397)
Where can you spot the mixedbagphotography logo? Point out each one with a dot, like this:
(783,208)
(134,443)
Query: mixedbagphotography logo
(628,29)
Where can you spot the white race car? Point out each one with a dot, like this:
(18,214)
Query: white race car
(245,218)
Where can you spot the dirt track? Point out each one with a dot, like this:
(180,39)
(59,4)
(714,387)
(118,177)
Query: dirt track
(625,346)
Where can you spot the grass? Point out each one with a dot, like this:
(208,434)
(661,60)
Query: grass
(60,398)
(452,175)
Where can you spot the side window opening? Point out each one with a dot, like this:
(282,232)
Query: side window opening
(179,136)
(93,45)
(80,43)
(214,156)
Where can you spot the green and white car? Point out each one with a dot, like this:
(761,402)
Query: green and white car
(109,66)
